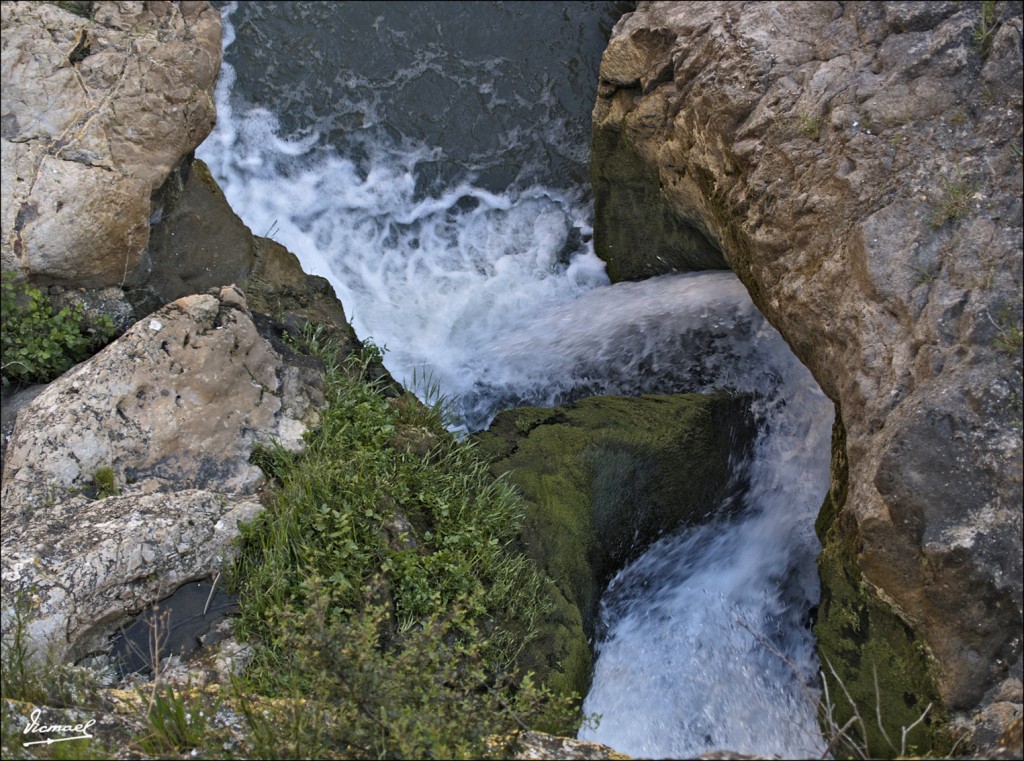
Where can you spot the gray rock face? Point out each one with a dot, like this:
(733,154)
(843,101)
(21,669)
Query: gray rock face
(859,166)
(166,416)
(95,115)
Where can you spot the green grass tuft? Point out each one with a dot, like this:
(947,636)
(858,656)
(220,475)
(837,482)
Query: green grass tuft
(957,194)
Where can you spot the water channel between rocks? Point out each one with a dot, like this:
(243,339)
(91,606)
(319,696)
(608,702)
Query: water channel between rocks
(430,160)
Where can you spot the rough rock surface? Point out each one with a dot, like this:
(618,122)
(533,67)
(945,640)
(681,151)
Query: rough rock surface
(159,426)
(603,479)
(178,402)
(859,166)
(84,565)
(538,745)
(96,112)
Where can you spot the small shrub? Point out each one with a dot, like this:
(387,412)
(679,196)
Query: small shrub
(40,344)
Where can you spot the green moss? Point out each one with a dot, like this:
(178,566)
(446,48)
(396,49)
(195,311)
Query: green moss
(105,483)
(205,176)
(879,661)
(605,478)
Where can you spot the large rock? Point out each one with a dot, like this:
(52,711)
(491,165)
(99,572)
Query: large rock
(96,113)
(603,479)
(178,402)
(158,429)
(859,166)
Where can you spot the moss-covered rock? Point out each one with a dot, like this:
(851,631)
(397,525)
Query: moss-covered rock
(869,655)
(602,480)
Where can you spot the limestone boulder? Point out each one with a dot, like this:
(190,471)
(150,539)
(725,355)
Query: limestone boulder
(128,476)
(178,402)
(859,166)
(96,112)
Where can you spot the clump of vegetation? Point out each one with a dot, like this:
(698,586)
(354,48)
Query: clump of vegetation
(1011,333)
(39,344)
(81,8)
(957,194)
(381,582)
(810,126)
(104,482)
(985,30)
(382,597)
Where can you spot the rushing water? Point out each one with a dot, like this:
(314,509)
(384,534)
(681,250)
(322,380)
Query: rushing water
(430,160)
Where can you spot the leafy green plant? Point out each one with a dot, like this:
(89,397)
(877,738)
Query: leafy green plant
(381,584)
(40,344)
(367,691)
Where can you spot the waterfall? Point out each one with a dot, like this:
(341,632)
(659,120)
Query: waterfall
(464,251)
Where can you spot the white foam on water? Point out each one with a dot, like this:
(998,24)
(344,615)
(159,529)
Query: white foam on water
(431,277)
(498,300)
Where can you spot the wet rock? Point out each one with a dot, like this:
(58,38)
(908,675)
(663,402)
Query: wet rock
(603,479)
(858,166)
(199,243)
(176,625)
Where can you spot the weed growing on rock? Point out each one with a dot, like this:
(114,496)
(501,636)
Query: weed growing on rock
(985,30)
(104,483)
(1011,334)
(810,126)
(32,677)
(957,194)
(40,344)
(176,724)
(1017,152)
